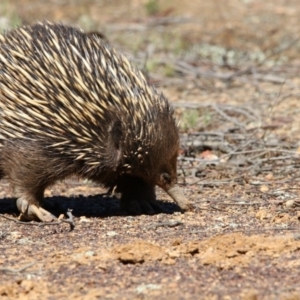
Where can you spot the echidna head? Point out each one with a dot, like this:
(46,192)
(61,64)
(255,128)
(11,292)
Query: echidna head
(164,164)
(149,151)
(165,170)
(143,139)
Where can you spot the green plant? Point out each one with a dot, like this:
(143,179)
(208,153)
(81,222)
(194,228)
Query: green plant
(8,17)
(169,70)
(189,119)
(152,7)
(151,65)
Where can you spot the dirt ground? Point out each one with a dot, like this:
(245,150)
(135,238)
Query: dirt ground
(231,70)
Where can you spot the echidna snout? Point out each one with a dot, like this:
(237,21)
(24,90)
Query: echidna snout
(167,181)
(176,194)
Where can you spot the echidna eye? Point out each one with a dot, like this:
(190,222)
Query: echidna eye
(166,177)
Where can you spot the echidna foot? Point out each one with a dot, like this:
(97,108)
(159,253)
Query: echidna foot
(31,212)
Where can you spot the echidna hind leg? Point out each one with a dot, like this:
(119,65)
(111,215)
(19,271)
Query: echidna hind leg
(28,172)
(29,204)
(31,211)
(138,197)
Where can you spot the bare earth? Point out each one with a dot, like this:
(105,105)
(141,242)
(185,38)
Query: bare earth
(231,70)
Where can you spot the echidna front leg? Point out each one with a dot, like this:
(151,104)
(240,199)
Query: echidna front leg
(138,197)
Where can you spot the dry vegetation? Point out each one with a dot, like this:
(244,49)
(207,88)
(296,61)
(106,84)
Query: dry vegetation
(231,69)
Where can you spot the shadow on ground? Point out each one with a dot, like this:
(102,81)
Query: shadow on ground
(88,206)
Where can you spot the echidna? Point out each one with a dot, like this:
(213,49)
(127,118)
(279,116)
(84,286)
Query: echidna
(70,105)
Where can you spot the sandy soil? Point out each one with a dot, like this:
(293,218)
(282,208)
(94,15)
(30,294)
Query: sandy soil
(242,239)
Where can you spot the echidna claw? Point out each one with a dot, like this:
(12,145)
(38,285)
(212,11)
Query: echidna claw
(31,212)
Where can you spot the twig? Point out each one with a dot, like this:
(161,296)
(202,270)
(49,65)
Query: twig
(201,160)
(247,231)
(162,21)
(284,158)
(215,208)
(240,203)
(10,270)
(228,118)
(227,77)
(216,182)
(171,223)
(263,230)
(70,221)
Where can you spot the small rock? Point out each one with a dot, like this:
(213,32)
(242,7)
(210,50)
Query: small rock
(111,233)
(264,188)
(24,241)
(83,219)
(289,203)
(61,216)
(297,236)
(262,214)
(143,288)
(89,253)
(15,234)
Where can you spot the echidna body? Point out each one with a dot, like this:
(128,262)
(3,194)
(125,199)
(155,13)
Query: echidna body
(70,105)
